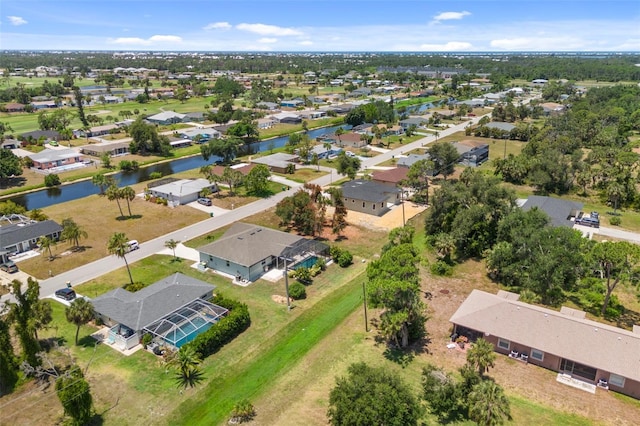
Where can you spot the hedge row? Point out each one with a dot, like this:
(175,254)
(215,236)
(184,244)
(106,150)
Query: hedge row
(225,330)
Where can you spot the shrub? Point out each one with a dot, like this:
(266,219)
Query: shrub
(315,270)
(146,339)
(321,263)
(52,180)
(615,221)
(225,330)
(297,290)
(303,275)
(441,268)
(155,175)
(341,256)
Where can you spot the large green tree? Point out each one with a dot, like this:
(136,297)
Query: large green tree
(75,395)
(481,356)
(8,362)
(444,156)
(348,166)
(72,232)
(418,179)
(21,313)
(257,181)
(226,148)
(9,164)
(372,396)
(488,405)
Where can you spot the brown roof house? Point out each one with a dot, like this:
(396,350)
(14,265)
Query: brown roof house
(586,354)
(367,196)
(392,177)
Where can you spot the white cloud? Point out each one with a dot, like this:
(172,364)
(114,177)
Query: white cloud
(166,38)
(538,43)
(268,30)
(306,43)
(451,46)
(448,16)
(267,40)
(146,42)
(217,26)
(16,20)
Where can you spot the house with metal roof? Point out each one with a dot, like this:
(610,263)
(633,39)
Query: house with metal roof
(182,191)
(23,236)
(166,117)
(247,251)
(278,162)
(370,197)
(174,310)
(54,158)
(585,353)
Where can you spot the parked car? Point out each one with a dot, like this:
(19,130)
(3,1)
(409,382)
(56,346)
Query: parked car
(9,267)
(204,201)
(66,294)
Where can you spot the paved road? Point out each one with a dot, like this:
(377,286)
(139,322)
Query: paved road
(102,266)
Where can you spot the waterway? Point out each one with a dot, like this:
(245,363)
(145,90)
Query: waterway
(76,190)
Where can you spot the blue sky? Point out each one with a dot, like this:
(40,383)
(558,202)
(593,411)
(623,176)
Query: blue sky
(321,25)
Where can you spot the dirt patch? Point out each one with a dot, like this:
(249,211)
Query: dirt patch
(280,299)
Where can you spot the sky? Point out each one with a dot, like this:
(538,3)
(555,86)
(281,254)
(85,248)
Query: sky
(321,25)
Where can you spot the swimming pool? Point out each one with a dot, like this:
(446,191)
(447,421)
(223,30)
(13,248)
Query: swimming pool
(188,331)
(307,263)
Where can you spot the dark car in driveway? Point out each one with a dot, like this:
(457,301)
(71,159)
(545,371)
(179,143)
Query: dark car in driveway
(66,294)
(9,267)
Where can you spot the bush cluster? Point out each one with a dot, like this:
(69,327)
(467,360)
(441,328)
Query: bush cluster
(341,256)
(236,321)
(441,268)
(297,290)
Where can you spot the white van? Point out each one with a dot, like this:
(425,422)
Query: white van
(133,245)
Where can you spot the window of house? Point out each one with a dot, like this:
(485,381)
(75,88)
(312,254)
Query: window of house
(504,344)
(363,204)
(616,380)
(374,206)
(537,355)
(228,263)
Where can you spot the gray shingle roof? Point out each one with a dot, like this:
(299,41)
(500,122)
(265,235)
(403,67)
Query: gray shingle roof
(18,232)
(139,309)
(560,211)
(581,340)
(245,244)
(367,190)
(507,127)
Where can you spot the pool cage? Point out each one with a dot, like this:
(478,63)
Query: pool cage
(297,253)
(185,323)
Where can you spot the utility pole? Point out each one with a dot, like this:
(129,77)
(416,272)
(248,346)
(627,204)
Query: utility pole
(364,298)
(286,285)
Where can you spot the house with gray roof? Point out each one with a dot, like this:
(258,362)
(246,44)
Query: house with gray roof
(413,121)
(247,251)
(499,125)
(173,310)
(182,191)
(584,352)
(370,197)
(166,117)
(411,159)
(53,158)
(23,236)
(278,162)
(562,212)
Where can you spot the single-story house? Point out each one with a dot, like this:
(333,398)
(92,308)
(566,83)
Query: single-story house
(179,142)
(552,108)
(472,153)
(247,251)
(562,212)
(243,168)
(10,144)
(351,140)
(411,159)
(367,196)
(23,236)
(564,341)
(338,109)
(539,81)
(266,123)
(287,118)
(174,310)
(278,162)
(499,125)
(363,129)
(362,91)
(395,130)
(392,177)
(205,133)
(413,121)
(51,158)
(95,131)
(323,152)
(14,107)
(166,117)
(197,116)
(291,103)
(312,114)
(44,104)
(182,191)
(270,106)
(112,148)
(45,134)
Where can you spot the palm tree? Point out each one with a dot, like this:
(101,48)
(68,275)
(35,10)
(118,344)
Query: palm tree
(72,232)
(101,181)
(189,378)
(339,133)
(129,194)
(172,244)
(188,364)
(46,243)
(488,405)
(118,245)
(37,215)
(481,356)
(113,193)
(79,313)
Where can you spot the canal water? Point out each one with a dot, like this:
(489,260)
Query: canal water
(73,191)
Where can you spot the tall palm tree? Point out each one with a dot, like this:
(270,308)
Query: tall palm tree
(101,181)
(172,244)
(129,194)
(188,364)
(339,133)
(45,244)
(79,313)
(113,193)
(481,356)
(117,245)
(72,232)
(488,405)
